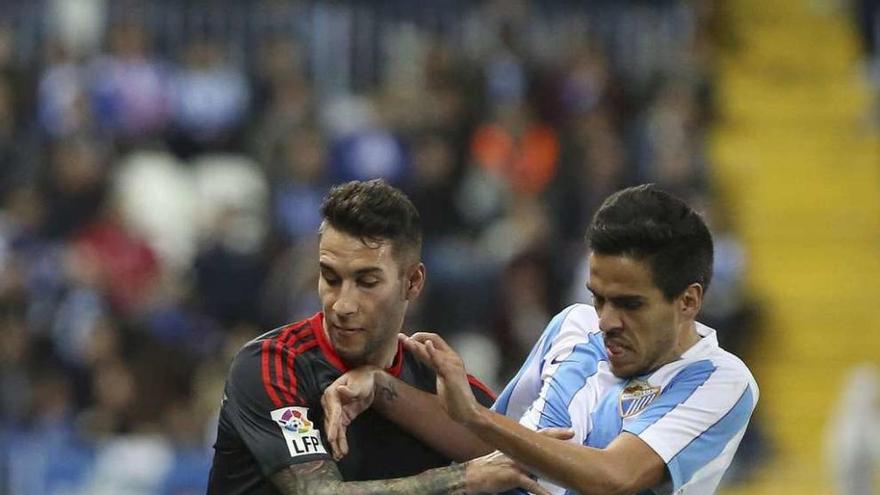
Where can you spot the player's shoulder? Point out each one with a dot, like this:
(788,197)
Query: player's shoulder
(721,369)
(268,359)
(292,338)
(578,317)
(730,367)
(574,325)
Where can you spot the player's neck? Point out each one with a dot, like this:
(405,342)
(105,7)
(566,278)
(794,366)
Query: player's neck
(384,357)
(688,337)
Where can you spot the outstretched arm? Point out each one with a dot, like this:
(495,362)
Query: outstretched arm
(491,473)
(414,410)
(627,465)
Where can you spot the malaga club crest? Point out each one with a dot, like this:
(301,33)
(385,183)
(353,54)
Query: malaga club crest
(636,396)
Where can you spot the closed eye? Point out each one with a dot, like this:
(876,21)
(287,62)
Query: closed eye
(628,303)
(329,278)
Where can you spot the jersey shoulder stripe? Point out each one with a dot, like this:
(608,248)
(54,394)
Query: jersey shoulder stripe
(277,373)
(706,446)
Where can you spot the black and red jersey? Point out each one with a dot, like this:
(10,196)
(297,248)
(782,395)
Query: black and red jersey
(271,414)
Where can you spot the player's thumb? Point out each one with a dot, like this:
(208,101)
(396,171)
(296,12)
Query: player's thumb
(557,433)
(346,393)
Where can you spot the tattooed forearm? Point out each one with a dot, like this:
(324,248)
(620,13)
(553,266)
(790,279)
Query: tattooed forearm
(323,477)
(387,392)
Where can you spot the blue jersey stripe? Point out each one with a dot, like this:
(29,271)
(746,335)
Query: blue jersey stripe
(705,447)
(539,350)
(569,378)
(606,419)
(679,389)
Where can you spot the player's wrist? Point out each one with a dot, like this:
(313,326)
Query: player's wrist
(476,418)
(449,479)
(381,381)
(472,477)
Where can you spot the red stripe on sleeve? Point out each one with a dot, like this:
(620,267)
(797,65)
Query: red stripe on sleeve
(294,351)
(297,329)
(291,372)
(288,340)
(304,347)
(285,333)
(480,385)
(279,372)
(267,380)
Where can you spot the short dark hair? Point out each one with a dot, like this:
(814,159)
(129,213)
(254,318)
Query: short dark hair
(646,223)
(375,211)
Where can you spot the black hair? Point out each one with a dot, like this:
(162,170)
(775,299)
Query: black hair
(648,224)
(374,211)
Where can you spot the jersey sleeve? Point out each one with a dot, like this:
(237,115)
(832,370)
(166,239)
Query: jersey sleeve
(271,401)
(560,367)
(523,389)
(484,395)
(698,420)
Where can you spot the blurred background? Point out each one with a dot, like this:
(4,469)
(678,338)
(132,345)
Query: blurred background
(162,164)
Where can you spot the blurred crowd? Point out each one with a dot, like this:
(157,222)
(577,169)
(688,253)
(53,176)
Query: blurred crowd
(162,165)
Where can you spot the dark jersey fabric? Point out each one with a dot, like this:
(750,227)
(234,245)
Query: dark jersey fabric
(288,369)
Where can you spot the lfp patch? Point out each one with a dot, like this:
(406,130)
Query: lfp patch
(636,396)
(299,433)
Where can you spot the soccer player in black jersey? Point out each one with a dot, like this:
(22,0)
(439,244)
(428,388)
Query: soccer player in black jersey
(270,437)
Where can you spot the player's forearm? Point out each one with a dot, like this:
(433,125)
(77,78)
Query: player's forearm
(422,414)
(323,478)
(584,469)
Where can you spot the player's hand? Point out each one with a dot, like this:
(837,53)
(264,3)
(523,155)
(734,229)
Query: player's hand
(452,383)
(345,399)
(557,433)
(496,472)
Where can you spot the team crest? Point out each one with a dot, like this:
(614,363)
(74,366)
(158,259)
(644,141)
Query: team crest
(636,396)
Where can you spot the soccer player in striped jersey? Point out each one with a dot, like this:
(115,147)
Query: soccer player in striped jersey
(270,435)
(655,404)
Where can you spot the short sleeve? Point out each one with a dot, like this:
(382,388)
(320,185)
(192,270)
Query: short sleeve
(270,400)
(524,388)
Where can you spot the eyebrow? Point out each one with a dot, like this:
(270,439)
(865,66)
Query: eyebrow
(368,270)
(359,272)
(619,297)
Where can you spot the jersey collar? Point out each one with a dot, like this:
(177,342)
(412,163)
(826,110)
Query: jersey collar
(317,323)
(703,347)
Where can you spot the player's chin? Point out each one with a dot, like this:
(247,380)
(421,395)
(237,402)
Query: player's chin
(350,349)
(622,369)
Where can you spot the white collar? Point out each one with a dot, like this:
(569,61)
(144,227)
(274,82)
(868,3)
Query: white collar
(707,343)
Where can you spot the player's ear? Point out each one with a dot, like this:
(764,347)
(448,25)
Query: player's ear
(691,300)
(415,281)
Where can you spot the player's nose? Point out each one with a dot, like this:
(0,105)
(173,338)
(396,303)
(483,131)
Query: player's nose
(346,302)
(609,320)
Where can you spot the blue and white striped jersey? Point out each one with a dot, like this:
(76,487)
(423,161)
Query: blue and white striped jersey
(692,412)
